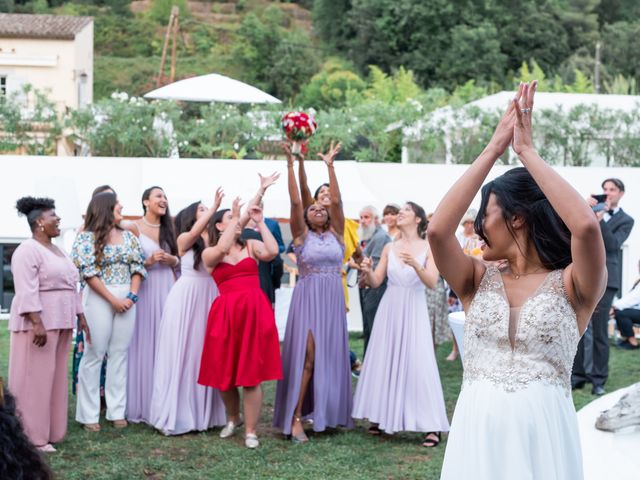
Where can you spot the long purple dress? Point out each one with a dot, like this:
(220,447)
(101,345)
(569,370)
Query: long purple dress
(178,404)
(399,386)
(142,349)
(317,308)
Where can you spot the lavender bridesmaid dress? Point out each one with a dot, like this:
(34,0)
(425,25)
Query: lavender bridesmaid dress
(399,386)
(178,404)
(142,349)
(317,307)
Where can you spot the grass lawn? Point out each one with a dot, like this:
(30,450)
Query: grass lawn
(140,452)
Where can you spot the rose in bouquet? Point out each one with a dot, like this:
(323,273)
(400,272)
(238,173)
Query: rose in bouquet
(298,127)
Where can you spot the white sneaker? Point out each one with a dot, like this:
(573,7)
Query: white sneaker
(251,440)
(230,428)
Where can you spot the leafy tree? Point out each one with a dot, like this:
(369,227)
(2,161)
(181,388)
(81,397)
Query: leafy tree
(33,130)
(530,29)
(161,10)
(620,48)
(272,58)
(331,20)
(474,54)
(119,36)
(335,85)
(579,19)
(612,11)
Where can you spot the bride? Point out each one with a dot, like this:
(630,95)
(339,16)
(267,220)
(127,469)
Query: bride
(515,417)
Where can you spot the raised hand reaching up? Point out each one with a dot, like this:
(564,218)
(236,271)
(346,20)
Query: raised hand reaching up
(256,214)
(268,180)
(236,206)
(330,156)
(523,107)
(218,199)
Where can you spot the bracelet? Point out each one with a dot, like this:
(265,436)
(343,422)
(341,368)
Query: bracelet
(133,297)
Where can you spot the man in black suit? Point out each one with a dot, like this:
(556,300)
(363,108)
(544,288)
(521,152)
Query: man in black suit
(591,363)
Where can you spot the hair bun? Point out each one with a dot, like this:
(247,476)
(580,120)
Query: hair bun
(26,205)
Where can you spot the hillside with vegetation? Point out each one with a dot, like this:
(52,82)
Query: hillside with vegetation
(361,64)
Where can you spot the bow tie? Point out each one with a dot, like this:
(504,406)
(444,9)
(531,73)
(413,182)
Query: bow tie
(611,212)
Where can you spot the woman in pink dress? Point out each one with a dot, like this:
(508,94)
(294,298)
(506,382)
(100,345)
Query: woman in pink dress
(42,319)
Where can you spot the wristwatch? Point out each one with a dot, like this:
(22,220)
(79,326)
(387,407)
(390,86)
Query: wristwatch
(133,297)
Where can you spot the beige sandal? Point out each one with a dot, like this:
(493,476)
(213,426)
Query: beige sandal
(120,423)
(91,427)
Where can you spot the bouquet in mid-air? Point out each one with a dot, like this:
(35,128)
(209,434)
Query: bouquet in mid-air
(298,127)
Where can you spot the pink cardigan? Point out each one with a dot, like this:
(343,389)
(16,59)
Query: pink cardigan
(45,282)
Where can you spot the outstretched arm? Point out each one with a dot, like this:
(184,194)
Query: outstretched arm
(211,256)
(462,272)
(296,218)
(267,249)
(265,183)
(335,209)
(187,239)
(307,198)
(587,271)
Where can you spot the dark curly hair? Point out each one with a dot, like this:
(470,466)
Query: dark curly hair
(167,232)
(100,220)
(185,219)
(215,234)
(517,193)
(32,208)
(19,459)
(421,214)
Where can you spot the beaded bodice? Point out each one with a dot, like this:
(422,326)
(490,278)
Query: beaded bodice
(320,254)
(545,342)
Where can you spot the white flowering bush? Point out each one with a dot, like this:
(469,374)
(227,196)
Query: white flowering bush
(123,126)
(28,123)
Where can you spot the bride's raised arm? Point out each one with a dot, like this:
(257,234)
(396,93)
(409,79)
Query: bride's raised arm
(462,272)
(587,271)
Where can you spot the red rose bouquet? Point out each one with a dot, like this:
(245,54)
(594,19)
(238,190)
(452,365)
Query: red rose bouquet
(298,127)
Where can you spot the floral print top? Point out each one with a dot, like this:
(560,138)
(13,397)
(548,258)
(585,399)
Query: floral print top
(119,262)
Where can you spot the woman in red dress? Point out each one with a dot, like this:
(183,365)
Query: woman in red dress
(241,347)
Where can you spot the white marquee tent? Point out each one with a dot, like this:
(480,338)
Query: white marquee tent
(70,181)
(448,117)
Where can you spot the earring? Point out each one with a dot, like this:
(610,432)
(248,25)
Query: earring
(41,228)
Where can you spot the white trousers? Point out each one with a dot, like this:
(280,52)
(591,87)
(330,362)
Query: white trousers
(111,334)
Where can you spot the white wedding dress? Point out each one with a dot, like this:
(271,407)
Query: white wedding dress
(515,417)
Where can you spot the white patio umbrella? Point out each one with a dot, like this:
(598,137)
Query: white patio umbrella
(211,88)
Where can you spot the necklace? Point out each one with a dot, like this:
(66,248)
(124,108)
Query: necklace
(517,276)
(149,224)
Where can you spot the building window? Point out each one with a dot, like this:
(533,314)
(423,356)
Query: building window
(3,85)
(7,290)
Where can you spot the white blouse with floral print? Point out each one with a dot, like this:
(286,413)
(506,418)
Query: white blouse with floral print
(119,261)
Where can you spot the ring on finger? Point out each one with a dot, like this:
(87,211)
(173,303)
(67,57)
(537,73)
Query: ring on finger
(525,110)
